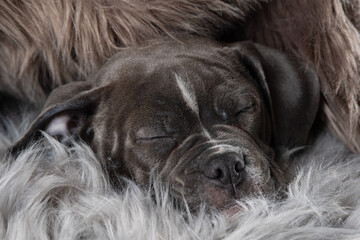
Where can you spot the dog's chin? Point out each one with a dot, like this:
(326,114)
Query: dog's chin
(216,196)
(222,200)
(225,199)
(231,210)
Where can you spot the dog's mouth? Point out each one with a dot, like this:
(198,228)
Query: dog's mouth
(222,176)
(257,178)
(241,175)
(230,209)
(224,197)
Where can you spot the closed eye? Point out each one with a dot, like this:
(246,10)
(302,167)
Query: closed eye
(155,138)
(245,109)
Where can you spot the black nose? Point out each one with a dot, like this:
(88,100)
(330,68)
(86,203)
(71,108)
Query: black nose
(225,168)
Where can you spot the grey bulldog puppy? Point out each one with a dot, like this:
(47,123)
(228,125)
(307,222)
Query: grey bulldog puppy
(206,117)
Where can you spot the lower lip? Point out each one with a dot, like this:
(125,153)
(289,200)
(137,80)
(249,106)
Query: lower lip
(231,210)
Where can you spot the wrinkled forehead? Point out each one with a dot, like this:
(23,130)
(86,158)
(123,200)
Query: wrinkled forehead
(174,70)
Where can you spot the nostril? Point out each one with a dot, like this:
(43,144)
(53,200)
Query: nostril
(219,173)
(215,173)
(239,166)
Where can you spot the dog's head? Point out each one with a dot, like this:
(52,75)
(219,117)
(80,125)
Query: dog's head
(205,116)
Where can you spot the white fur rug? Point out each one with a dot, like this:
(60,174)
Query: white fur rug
(59,193)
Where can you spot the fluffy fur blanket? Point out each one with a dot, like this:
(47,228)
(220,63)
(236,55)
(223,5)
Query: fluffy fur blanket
(60,193)
(55,192)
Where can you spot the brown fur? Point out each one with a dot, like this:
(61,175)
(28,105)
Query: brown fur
(44,44)
(49,43)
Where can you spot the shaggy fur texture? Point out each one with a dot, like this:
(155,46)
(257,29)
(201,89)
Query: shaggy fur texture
(60,193)
(44,44)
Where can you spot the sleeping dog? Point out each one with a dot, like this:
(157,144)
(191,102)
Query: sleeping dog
(208,118)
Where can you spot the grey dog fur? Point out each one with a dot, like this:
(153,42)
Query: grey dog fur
(228,102)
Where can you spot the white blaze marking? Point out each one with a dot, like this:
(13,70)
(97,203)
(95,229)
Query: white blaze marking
(187,93)
(224,148)
(115,143)
(207,134)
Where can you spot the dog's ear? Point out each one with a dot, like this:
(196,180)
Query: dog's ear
(65,116)
(291,90)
